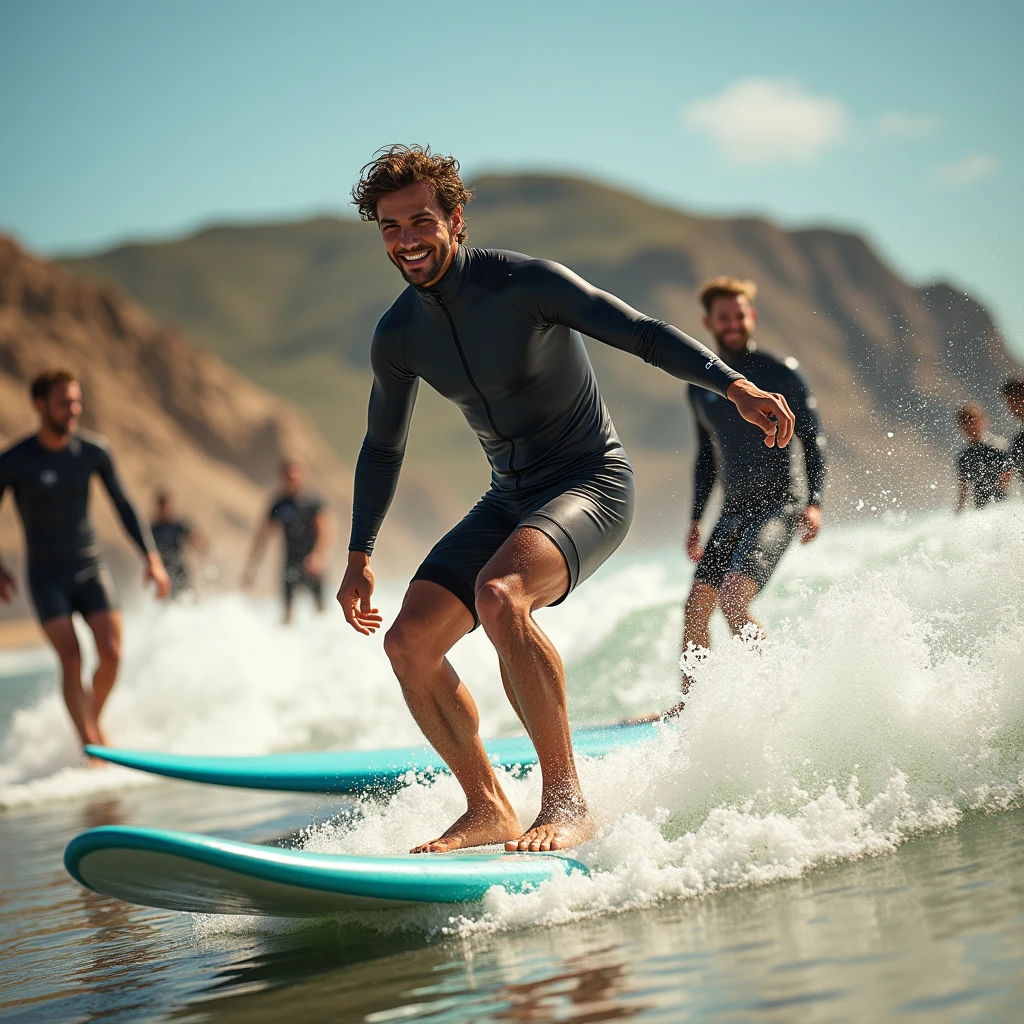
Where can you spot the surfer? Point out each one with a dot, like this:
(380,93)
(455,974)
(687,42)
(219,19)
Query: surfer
(306,529)
(172,536)
(983,468)
(764,504)
(1013,392)
(499,334)
(49,473)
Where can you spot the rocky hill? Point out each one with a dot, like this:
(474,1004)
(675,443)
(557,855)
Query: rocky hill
(293,306)
(176,416)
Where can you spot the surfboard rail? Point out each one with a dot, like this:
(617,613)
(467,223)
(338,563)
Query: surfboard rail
(356,771)
(204,874)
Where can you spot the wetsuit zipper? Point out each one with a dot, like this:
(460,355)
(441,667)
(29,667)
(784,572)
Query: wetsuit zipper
(480,395)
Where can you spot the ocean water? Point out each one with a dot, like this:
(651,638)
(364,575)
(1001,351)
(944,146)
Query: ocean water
(804,833)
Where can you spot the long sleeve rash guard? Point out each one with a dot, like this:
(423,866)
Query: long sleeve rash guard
(51,490)
(500,336)
(751,472)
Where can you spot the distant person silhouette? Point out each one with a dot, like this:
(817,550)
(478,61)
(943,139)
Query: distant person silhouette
(306,529)
(983,468)
(173,536)
(1013,392)
(49,473)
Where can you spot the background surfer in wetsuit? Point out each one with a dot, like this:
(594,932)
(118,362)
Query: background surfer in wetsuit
(1013,392)
(498,334)
(306,529)
(49,474)
(173,536)
(763,504)
(983,468)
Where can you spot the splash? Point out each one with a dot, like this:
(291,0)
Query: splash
(887,700)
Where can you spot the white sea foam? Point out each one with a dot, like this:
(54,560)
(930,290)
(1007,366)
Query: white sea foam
(887,699)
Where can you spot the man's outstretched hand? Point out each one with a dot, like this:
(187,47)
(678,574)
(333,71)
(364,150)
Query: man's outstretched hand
(355,593)
(765,409)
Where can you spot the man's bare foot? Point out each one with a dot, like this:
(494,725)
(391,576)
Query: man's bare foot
(482,825)
(559,828)
(95,762)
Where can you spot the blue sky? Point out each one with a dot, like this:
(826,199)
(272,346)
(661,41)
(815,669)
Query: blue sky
(899,119)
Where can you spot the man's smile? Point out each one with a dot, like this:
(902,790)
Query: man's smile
(414,257)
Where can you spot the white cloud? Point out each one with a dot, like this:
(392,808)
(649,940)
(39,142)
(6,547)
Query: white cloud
(907,125)
(971,168)
(764,120)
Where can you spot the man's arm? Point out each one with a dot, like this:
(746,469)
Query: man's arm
(567,299)
(8,587)
(812,439)
(323,526)
(963,478)
(392,398)
(705,470)
(259,545)
(133,525)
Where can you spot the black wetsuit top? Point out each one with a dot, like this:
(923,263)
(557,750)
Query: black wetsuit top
(297,517)
(51,490)
(981,465)
(499,335)
(170,538)
(752,473)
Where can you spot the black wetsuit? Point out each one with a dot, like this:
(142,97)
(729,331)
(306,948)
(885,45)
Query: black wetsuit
(981,466)
(762,503)
(171,538)
(66,572)
(499,335)
(297,517)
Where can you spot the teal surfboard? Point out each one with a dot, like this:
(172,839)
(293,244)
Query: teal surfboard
(355,771)
(205,875)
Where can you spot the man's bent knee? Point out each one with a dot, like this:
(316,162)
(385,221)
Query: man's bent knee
(498,602)
(410,644)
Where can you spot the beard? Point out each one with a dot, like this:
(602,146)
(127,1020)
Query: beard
(737,341)
(59,427)
(428,269)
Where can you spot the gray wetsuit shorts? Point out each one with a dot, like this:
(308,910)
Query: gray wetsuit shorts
(749,540)
(586,513)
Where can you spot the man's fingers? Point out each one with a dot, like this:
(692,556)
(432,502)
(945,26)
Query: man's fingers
(787,423)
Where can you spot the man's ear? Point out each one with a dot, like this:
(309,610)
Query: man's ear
(706,321)
(458,224)
(753,313)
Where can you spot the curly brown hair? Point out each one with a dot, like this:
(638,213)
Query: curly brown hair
(43,383)
(727,286)
(394,167)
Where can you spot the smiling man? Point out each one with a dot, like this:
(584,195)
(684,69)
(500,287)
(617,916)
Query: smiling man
(499,334)
(49,473)
(765,503)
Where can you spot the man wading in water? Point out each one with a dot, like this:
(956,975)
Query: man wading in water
(498,333)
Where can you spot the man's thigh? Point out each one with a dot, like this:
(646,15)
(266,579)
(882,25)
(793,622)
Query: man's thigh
(455,561)
(432,615)
(60,631)
(106,629)
(763,543)
(533,563)
(718,551)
